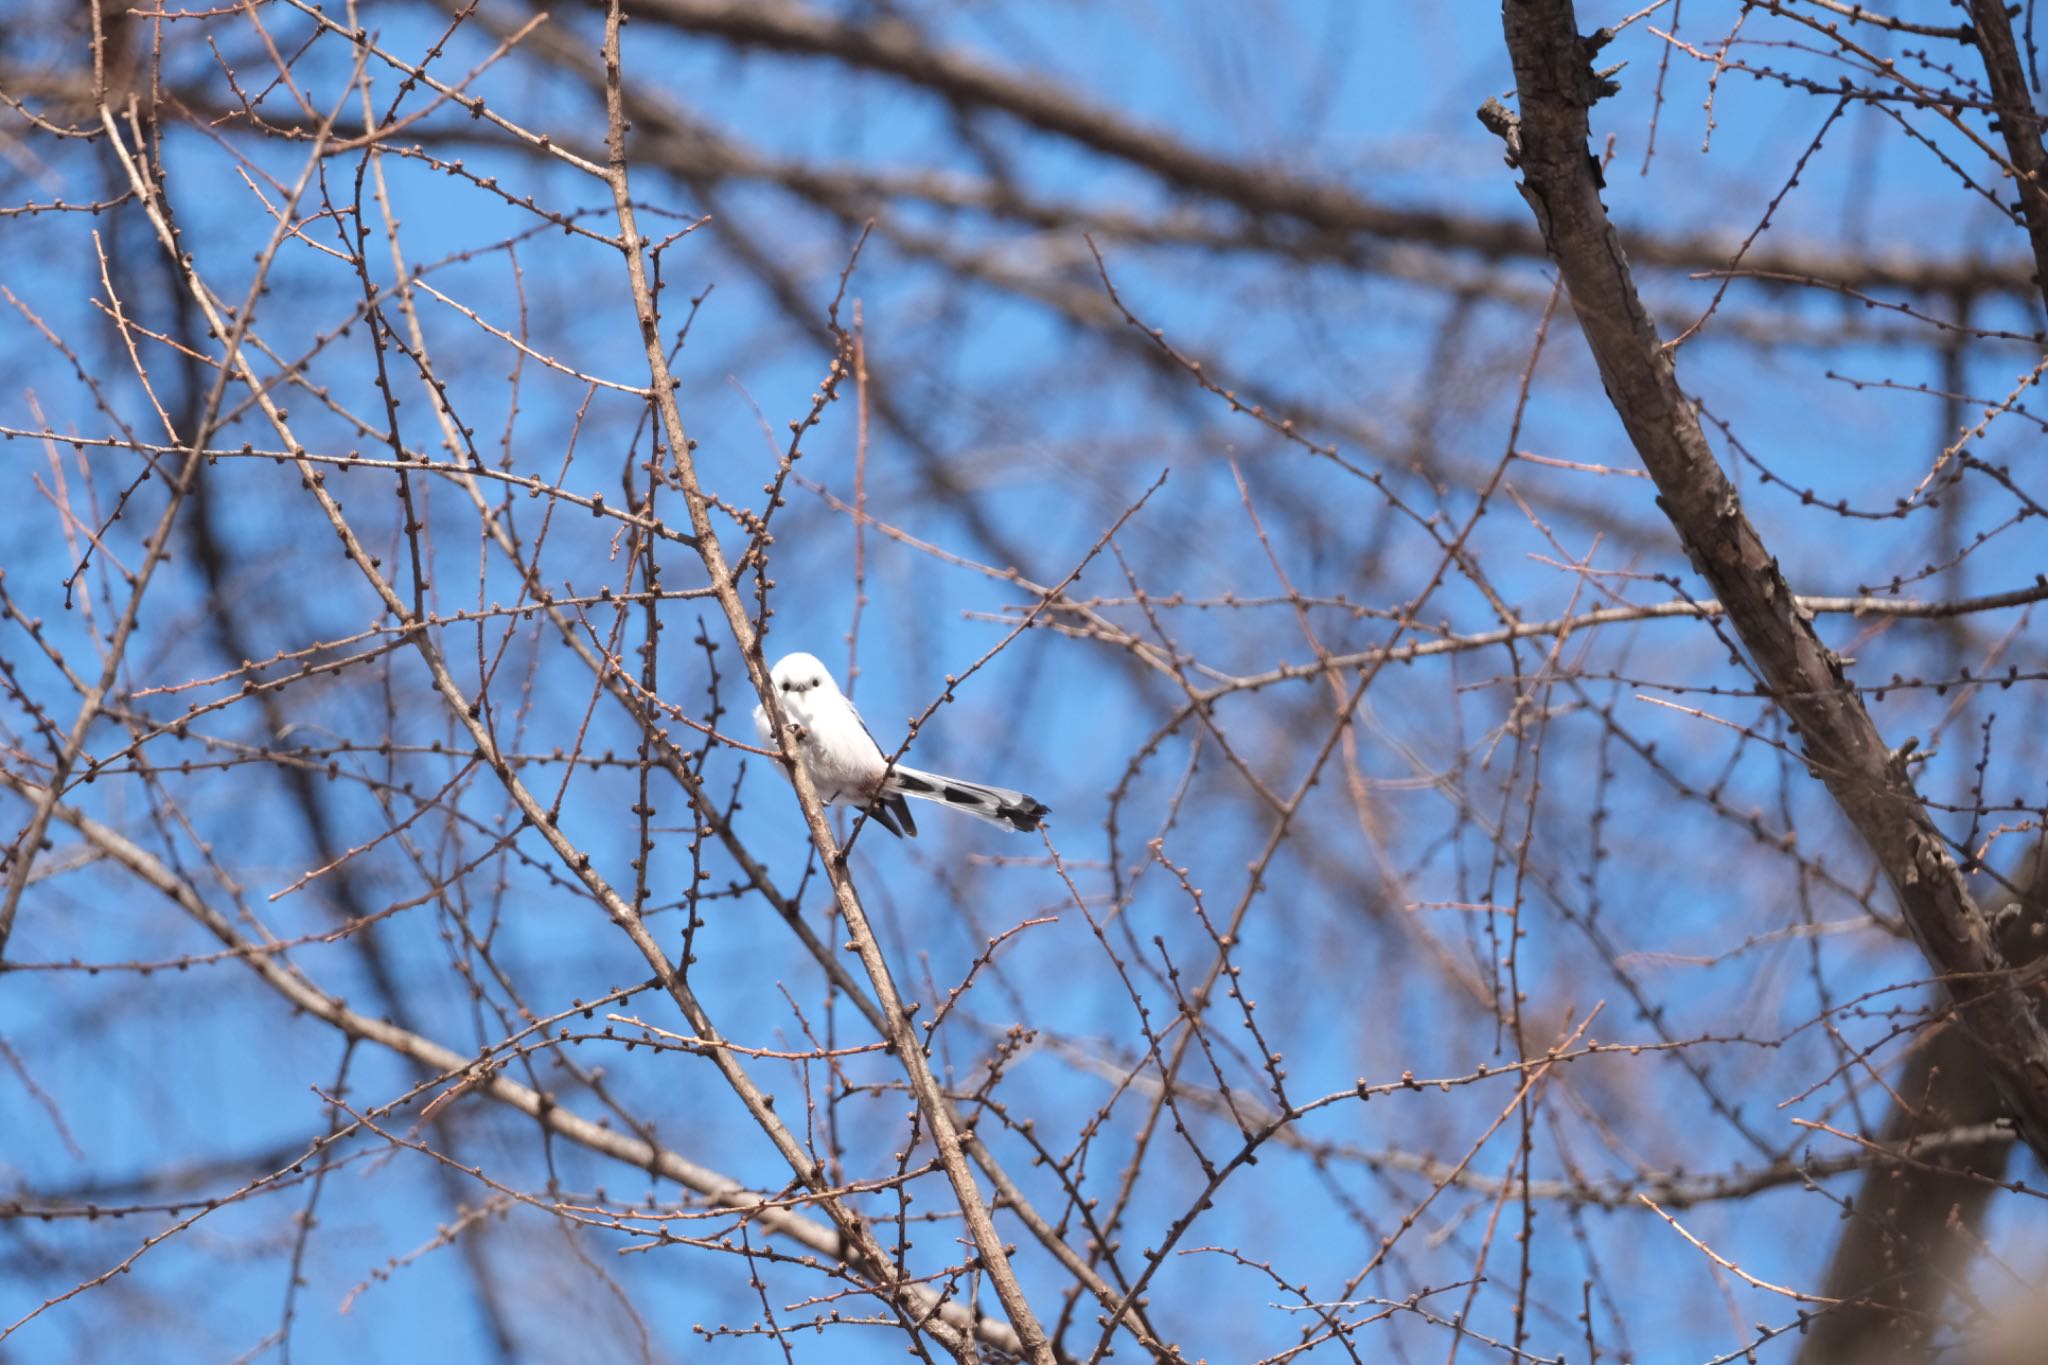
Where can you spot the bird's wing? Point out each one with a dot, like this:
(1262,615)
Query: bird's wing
(855,712)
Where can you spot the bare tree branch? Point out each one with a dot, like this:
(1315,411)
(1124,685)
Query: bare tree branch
(1561,180)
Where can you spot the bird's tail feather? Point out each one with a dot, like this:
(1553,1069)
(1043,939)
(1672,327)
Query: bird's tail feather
(997,805)
(892,813)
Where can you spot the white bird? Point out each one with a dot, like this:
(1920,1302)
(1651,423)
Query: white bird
(848,768)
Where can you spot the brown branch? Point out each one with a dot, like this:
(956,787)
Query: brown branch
(941,1122)
(770,1212)
(2019,122)
(1562,184)
(865,1254)
(20,858)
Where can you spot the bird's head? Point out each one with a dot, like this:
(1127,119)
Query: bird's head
(798,677)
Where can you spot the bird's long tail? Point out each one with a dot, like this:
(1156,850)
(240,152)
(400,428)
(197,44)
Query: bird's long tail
(997,805)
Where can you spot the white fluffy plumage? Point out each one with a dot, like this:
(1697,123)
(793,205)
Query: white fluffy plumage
(848,768)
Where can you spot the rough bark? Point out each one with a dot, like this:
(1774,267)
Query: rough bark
(2019,123)
(1561,181)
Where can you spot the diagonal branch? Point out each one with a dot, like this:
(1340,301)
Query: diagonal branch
(1561,181)
(775,1214)
(2018,121)
(940,1120)
(864,1253)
